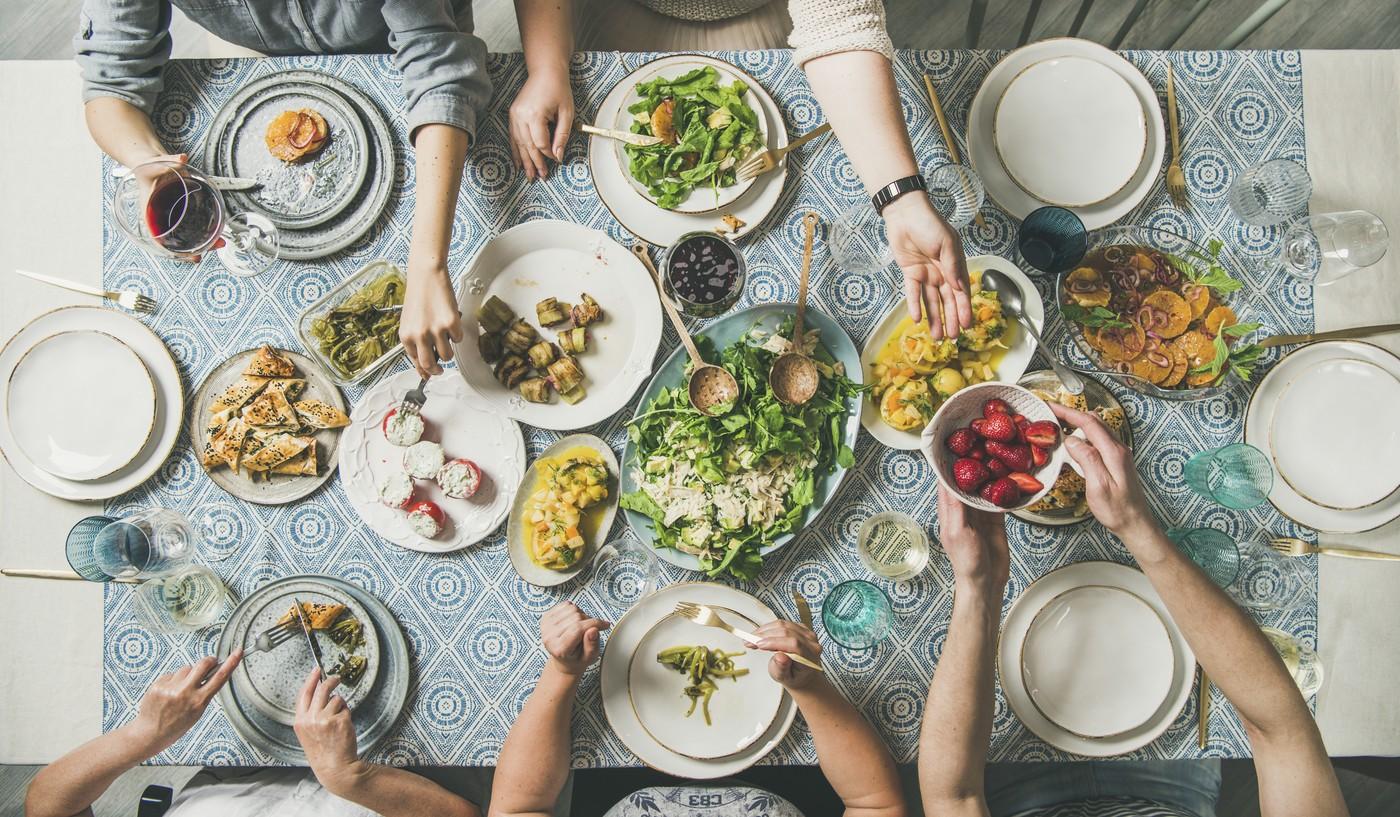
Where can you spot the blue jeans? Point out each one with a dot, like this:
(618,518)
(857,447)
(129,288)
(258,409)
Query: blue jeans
(1190,785)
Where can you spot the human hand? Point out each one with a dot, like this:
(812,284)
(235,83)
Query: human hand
(540,119)
(571,638)
(1112,485)
(176,701)
(326,733)
(935,270)
(781,637)
(975,542)
(429,322)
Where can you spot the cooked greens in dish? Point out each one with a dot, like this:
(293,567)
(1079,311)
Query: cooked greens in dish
(724,487)
(527,362)
(701,666)
(706,128)
(356,333)
(350,668)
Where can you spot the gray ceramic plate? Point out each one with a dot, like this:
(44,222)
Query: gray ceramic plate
(277,489)
(375,716)
(271,680)
(515,525)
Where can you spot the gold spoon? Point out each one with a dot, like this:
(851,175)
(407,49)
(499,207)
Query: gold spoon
(709,385)
(794,376)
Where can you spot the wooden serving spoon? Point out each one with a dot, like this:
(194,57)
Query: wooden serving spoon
(794,377)
(709,385)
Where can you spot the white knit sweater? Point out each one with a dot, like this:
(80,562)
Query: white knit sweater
(818,26)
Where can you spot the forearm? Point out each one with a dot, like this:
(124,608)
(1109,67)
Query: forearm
(393,792)
(122,131)
(546,35)
(958,716)
(439,154)
(852,756)
(857,93)
(534,761)
(71,784)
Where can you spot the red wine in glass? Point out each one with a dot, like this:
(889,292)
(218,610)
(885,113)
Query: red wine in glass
(183,214)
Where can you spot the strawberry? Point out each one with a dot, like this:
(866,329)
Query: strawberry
(1042,433)
(1020,419)
(997,467)
(1001,492)
(977,425)
(1016,457)
(970,474)
(979,454)
(962,441)
(996,405)
(999,427)
(1027,483)
(1039,456)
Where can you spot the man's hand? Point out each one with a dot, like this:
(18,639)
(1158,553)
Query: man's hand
(571,638)
(975,542)
(1113,487)
(430,322)
(935,270)
(779,637)
(327,735)
(540,119)
(176,701)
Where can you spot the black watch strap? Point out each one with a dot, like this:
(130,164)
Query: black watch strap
(895,189)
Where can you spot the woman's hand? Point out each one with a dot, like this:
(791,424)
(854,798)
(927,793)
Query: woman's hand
(571,638)
(430,321)
(781,637)
(1112,485)
(175,702)
(540,119)
(327,735)
(935,270)
(975,542)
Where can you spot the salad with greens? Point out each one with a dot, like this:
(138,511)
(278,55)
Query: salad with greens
(706,128)
(724,487)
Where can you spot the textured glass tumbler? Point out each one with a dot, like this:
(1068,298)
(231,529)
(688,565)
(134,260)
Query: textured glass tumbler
(857,614)
(185,601)
(1238,476)
(858,241)
(1326,247)
(624,572)
(78,547)
(1269,581)
(1302,661)
(1052,240)
(957,194)
(151,542)
(1213,551)
(1270,193)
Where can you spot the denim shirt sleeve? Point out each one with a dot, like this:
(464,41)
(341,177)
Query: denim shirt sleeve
(121,47)
(443,63)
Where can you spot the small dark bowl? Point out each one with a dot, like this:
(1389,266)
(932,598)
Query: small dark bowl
(688,252)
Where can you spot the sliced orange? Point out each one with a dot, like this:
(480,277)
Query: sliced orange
(1121,344)
(1217,318)
(1148,369)
(1179,367)
(1198,348)
(1198,297)
(1095,289)
(1175,307)
(663,126)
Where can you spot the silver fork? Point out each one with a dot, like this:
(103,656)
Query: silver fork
(274,637)
(761,163)
(413,400)
(127,298)
(1291,546)
(705,616)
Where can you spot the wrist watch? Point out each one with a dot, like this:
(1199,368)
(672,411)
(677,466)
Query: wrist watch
(895,189)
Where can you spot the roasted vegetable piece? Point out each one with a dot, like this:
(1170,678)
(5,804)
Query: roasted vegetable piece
(701,666)
(490,347)
(536,390)
(573,395)
(521,336)
(551,312)
(542,354)
(511,370)
(348,633)
(494,315)
(565,374)
(574,341)
(350,668)
(587,312)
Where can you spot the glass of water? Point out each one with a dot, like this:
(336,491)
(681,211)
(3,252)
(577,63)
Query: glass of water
(146,544)
(893,545)
(857,614)
(1270,193)
(1340,243)
(1213,551)
(957,194)
(624,572)
(858,240)
(1301,660)
(1238,476)
(189,599)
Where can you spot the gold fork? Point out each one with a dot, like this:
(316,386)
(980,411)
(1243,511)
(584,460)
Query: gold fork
(761,163)
(705,616)
(1176,180)
(1289,546)
(127,298)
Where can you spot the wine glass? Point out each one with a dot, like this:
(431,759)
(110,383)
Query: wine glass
(172,210)
(1341,242)
(1300,659)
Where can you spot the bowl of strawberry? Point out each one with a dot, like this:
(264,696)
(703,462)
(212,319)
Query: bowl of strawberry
(996,445)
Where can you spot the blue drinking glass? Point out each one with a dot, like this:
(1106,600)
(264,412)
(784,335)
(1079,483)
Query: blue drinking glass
(857,614)
(1052,240)
(1213,551)
(79,547)
(1238,476)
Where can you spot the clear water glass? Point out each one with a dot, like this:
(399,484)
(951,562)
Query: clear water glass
(1267,580)
(1270,193)
(1238,476)
(1300,659)
(858,241)
(893,545)
(624,572)
(957,194)
(149,543)
(857,614)
(185,601)
(1213,551)
(1335,243)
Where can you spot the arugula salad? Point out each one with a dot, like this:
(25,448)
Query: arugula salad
(724,487)
(706,128)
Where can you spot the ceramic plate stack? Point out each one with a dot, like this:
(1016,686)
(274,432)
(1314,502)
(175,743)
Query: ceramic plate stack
(326,201)
(1314,415)
(92,403)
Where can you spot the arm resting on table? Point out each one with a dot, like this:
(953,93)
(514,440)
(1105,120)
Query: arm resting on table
(534,762)
(70,785)
(852,756)
(395,792)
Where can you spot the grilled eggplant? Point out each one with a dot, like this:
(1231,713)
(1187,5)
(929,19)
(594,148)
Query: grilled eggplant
(511,370)
(536,390)
(551,312)
(494,315)
(542,354)
(521,336)
(587,312)
(565,374)
(574,341)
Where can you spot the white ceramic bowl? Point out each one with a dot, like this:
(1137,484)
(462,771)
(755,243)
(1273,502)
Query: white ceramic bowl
(964,407)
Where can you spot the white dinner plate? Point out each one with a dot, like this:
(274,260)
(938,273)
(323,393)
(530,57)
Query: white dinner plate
(624,641)
(1017,624)
(638,214)
(517,529)
(1097,661)
(547,258)
(981,141)
(81,404)
(701,199)
(1008,370)
(169,403)
(1070,131)
(1355,462)
(1259,431)
(741,710)
(464,427)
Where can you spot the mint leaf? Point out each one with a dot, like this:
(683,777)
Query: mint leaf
(1094,318)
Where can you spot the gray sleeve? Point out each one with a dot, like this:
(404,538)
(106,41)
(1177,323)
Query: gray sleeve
(121,47)
(442,62)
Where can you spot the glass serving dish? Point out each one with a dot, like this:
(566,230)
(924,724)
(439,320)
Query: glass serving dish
(1183,249)
(334,299)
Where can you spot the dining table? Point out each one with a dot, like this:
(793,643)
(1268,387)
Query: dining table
(73,663)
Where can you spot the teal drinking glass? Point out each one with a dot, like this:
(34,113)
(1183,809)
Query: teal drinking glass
(857,614)
(1213,551)
(1251,572)
(1237,476)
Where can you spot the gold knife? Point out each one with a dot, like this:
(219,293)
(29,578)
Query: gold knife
(1336,334)
(804,611)
(1203,705)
